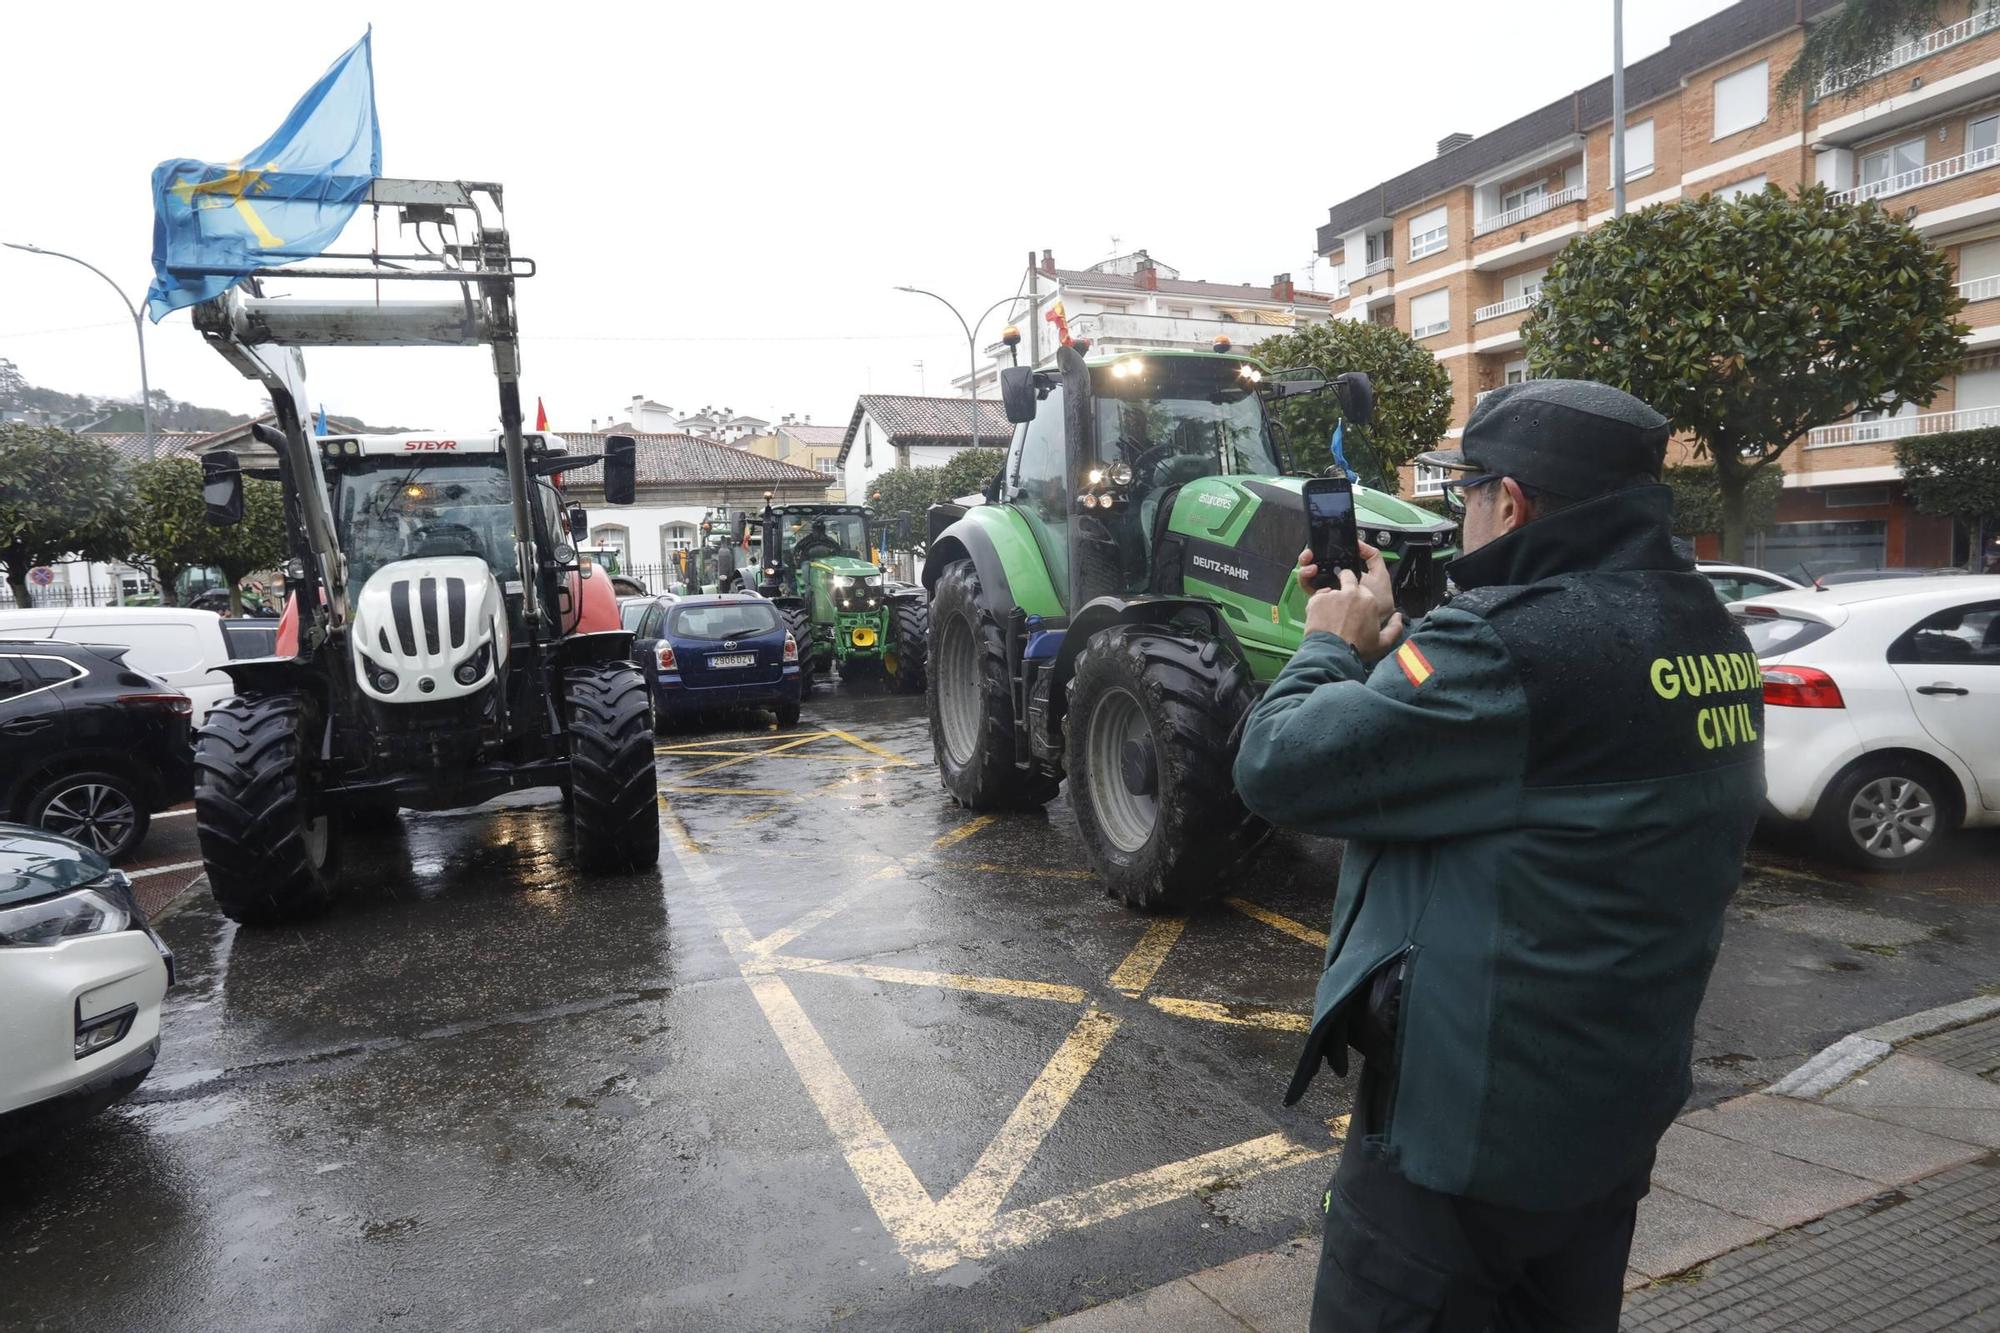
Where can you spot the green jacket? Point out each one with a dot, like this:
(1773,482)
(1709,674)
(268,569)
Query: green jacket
(1547,792)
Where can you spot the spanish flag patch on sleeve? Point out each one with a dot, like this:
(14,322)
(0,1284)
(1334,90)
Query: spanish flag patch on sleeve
(1415,665)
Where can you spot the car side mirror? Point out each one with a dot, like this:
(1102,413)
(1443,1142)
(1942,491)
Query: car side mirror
(222,488)
(1017,393)
(579,524)
(621,469)
(1357,396)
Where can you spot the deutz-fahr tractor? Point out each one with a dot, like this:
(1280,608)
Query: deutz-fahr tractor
(442,642)
(1112,611)
(820,568)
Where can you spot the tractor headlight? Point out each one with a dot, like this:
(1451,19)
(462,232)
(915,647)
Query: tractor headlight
(473,667)
(842,581)
(873,581)
(383,679)
(1120,473)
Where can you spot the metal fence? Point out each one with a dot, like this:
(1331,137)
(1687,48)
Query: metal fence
(903,565)
(61,594)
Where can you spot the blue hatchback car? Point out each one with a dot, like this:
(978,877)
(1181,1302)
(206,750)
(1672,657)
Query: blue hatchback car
(712,653)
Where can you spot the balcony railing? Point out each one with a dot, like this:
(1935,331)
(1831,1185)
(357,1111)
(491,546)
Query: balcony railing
(1385,264)
(1980,289)
(1507,307)
(1928,174)
(1909,52)
(1533,208)
(1432,329)
(1898,428)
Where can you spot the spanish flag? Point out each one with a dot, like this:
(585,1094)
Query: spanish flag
(541,415)
(1415,665)
(1057,316)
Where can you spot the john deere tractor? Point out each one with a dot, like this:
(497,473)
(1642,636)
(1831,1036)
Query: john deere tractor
(1112,611)
(820,568)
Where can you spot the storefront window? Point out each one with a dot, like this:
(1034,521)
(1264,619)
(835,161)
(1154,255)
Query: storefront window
(1804,551)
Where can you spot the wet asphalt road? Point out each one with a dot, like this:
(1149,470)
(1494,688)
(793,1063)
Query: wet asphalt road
(851,1058)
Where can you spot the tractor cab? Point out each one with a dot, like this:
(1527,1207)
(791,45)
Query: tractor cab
(820,567)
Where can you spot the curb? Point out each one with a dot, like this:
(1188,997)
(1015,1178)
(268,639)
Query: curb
(1859,1052)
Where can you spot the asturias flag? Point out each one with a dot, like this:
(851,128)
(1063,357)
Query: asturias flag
(541,415)
(215,224)
(319,427)
(1057,316)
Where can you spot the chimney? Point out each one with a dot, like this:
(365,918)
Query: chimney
(1048,261)
(1145,276)
(1282,288)
(1451,141)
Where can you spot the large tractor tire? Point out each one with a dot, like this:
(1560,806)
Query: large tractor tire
(798,622)
(971,703)
(911,645)
(1150,720)
(614,816)
(270,857)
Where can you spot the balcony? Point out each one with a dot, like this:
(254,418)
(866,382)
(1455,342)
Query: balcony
(1110,330)
(1980,289)
(1386,264)
(1512,305)
(1910,52)
(1928,174)
(1533,208)
(1897,428)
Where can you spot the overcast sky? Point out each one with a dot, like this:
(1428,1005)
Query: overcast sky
(722,197)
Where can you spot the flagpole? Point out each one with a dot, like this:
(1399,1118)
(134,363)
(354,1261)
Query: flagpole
(138,327)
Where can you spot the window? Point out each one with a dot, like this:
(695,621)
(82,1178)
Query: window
(1381,244)
(677,537)
(1430,480)
(1427,233)
(1638,149)
(1874,425)
(1742,99)
(867,443)
(1963,636)
(1883,171)
(1979,270)
(1042,488)
(13,681)
(613,537)
(1976,398)
(1523,286)
(632,613)
(1754,185)
(1770,635)
(723,620)
(1982,140)
(1731,586)
(824,464)
(1384,313)
(1856,497)
(1521,198)
(1430,313)
(1804,550)
(1516,372)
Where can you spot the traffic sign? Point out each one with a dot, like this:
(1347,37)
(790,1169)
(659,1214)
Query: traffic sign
(41,576)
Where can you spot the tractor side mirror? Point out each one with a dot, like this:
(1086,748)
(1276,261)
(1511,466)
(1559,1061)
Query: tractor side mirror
(579,524)
(741,532)
(1017,393)
(222,488)
(621,469)
(1357,396)
(902,531)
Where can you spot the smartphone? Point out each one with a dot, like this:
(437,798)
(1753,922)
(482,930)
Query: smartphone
(1330,521)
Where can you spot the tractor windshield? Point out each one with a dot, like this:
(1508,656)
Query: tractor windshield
(391,510)
(815,536)
(1175,418)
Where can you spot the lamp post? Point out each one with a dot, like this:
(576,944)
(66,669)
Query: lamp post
(971,344)
(138,327)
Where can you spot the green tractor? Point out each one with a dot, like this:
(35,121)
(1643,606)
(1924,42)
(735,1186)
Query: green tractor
(820,568)
(727,560)
(1112,611)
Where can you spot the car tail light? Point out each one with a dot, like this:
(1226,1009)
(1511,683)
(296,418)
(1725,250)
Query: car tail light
(666,656)
(1800,687)
(791,649)
(165,703)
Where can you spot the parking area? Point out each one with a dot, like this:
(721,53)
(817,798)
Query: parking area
(850,1057)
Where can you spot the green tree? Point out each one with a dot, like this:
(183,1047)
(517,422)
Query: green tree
(1859,36)
(1698,499)
(60,495)
(904,490)
(1412,397)
(1954,476)
(255,544)
(1750,321)
(968,471)
(167,530)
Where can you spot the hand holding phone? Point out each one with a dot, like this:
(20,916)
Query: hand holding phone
(1336,545)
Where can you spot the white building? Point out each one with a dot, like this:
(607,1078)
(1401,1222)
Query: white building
(1135,302)
(643,416)
(898,430)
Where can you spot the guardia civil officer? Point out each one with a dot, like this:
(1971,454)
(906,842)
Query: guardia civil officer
(1547,788)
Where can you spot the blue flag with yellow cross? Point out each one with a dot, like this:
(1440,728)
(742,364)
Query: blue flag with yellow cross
(216,223)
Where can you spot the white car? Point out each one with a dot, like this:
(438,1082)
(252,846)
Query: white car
(82,978)
(1882,711)
(1734,582)
(184,648)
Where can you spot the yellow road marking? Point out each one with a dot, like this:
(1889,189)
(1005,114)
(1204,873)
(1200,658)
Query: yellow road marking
(715,743)
(735,791)
(1136,972)
(1297,930)
(760,815)
(792,744)
(826,911)
(677,827)
(1282,1020)
(869,746)
(976,1199)
(913,976)
(962,832)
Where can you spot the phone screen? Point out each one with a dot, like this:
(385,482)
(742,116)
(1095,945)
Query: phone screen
(1335,544)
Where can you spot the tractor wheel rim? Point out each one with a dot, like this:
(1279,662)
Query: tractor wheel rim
(317,837)
(1126,817)
(98,816)
(1892,818)
(960,690)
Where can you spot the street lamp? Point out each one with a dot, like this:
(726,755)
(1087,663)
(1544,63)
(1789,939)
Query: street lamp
(138,326)
(971,344)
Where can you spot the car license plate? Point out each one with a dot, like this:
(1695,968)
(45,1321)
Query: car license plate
(733,660)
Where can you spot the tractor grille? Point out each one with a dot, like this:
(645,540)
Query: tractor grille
(436,606)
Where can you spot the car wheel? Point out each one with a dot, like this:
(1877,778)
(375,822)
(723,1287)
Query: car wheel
(1887,814)
(100,810)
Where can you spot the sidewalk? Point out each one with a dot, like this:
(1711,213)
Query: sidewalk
(1862,1192)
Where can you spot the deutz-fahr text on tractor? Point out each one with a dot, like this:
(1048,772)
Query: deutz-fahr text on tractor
(820,568)
(1113,610)
(442,643)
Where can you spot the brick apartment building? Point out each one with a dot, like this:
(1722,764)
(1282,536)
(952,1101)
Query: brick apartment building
(1453,251)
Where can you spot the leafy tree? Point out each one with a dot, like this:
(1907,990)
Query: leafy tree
(60,495)
(1698,499)
(168,531)
(1956,475)
(968,471)
(1750,321)
(903,490)
(1412,397)
(1859,34)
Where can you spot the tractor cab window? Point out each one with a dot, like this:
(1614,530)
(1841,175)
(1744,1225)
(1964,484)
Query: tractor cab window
(390,511)
(1172,419)
(1041,485)
(810,537)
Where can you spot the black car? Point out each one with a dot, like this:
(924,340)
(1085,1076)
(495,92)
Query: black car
(89,747)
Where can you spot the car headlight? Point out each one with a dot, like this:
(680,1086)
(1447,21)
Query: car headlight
(53,920)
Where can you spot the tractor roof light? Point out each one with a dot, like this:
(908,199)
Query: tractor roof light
(1250,372)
